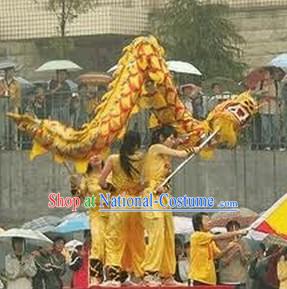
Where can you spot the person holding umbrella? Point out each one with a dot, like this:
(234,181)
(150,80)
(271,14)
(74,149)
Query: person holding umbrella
(61,89)
(19,266)
(10,101)
(9,86)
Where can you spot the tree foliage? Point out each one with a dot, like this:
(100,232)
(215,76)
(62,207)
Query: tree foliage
(201,33)
(67,10)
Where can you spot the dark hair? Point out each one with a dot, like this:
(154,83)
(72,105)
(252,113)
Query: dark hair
(214,84)
(59,238)
(232,224)
(87,233)
(165,131)
(131,142)
(197,221)
(90,167)
(19,239)
(272,249)
(262,247)
(186,244)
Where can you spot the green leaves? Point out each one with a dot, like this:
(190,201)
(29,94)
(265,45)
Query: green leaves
(201,34)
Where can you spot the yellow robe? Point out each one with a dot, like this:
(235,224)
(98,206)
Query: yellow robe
(98,220)
(160,252)
(125,233)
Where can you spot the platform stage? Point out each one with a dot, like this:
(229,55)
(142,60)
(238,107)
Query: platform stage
(144,287)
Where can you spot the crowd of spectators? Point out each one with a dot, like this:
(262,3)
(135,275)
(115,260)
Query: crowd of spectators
(73,104)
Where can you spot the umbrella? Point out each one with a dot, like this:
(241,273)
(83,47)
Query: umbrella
(280,60)
(7,64)
(258,75)
(94,78)
(43,224)
(244,217)
(73,223)
(30,235)
(183,225)
(112,69)
(176,66)
(218,230)
(71,245)
(59,65)
(266,238)
(182,67)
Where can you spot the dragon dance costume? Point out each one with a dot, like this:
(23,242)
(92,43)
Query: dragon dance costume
(125,234)
(89,186)
(160,253)
(142,62)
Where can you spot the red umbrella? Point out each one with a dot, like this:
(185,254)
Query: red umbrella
(94,78)
(244,217)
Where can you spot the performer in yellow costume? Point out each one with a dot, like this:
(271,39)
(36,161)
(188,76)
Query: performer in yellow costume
(125,234)
(89,186)
(160,253)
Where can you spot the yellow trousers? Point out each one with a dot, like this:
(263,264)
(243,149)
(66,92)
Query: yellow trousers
(160,251)
(98,225)
(125,242)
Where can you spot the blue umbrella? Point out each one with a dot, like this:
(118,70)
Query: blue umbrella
(280,60)
(43,224)
(73,223)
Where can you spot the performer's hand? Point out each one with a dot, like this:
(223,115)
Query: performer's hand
(196,150)
(160,190)
(75,180)
(231,245)
(243,232)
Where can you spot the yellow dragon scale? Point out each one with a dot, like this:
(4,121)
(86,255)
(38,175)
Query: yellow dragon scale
(142,61)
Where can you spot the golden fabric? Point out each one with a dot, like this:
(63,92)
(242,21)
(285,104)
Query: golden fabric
(202,254)
(89,186)
(142,62)
(125,234)
(98,225)
(125,242)
(160,252)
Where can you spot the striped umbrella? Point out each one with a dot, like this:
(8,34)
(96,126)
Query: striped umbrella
(94,78)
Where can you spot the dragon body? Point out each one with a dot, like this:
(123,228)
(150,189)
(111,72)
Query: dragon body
(141,64)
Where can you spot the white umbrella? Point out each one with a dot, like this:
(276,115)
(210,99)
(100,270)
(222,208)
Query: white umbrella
(59,65)
(112,69)
(182,67)
(71,245)
(183,225)
(176,66)
(280,61)
(218,230)
(25,234)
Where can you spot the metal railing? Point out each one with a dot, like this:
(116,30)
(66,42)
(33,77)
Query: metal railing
(265,131)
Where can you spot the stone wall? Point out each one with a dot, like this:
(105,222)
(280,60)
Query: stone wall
(253,178)
(264,29)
